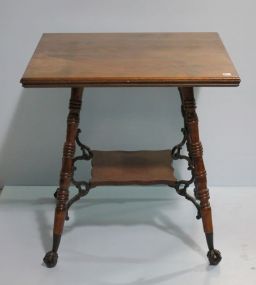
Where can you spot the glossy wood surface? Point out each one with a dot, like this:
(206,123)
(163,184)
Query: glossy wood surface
(66,174)
(130,59)
(132,167)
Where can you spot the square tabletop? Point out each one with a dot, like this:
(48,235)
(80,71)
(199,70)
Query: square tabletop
(130,59)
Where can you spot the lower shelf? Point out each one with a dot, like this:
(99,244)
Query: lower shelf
(132,168)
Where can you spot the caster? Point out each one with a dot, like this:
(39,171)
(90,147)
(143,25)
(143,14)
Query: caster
(51,259)
(214,256)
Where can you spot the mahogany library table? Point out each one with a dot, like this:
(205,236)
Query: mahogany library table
(183,60)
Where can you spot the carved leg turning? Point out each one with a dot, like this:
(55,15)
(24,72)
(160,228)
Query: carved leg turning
(196,152)
(51,257)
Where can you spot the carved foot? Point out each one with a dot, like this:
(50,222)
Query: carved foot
(51,259)
(214,256)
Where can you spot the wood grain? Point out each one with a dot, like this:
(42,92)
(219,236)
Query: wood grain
(67,159)
(130,59)
(132,167)
(195,150)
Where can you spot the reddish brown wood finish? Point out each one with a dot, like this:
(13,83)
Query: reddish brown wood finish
(130,59)
(132,167)
(195,150)
(196,153)
(62,193)
(67,161)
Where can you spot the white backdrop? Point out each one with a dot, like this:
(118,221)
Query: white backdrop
(32,124)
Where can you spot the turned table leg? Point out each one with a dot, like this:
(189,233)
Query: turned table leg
(196,154)
(62,194)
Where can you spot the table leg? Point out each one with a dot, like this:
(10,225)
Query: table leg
(196,153)
(62,194)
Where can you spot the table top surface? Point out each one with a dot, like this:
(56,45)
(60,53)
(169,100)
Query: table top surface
(130,59)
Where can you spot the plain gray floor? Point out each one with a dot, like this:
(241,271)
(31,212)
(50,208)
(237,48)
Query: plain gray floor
(127,236)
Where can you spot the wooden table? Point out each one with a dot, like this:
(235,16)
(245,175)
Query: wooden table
(183,60)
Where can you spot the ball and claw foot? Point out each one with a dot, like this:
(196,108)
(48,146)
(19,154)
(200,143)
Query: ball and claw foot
(51,259)
(214,256)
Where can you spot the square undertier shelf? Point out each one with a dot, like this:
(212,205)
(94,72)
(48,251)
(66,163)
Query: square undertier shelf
(132,168)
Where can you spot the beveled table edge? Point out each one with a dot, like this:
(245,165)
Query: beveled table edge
(136,82)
